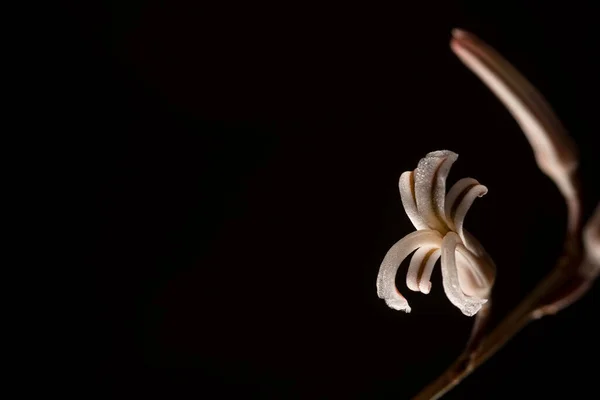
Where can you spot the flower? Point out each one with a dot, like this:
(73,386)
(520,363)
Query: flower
(468,272)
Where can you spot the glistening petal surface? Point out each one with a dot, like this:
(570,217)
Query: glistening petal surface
(386,286)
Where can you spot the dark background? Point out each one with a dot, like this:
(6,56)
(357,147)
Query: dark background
(243,166)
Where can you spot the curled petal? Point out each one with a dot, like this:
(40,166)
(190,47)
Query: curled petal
(407,194)
(417,264)
(439,186)
(386,286)
(461,209)
(430,187)
(468,305)
(475,275)
(555,152)
(457,192)
(424,280)
(476,249)
(469,282)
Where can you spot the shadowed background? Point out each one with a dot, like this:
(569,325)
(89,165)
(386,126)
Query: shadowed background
(245,163)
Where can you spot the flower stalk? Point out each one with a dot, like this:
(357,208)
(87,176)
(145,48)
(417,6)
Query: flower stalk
(557,157)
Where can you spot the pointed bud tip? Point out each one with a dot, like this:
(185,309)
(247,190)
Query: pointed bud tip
(458,33)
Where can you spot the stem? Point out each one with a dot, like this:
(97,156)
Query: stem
(526,311)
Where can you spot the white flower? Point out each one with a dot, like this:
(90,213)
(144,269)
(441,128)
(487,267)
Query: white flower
(468,272)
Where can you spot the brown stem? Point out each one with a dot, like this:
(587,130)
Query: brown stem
(527,310)
(556,156)
(479,327)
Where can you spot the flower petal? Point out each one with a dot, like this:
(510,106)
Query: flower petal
(475,276)
(468,305)
(417,263)
(457,191)
(486,263)
(386,286)
(424,280)
(430,187)
(407,194)
(461,207)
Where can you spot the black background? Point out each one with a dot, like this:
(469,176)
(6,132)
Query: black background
(243,166)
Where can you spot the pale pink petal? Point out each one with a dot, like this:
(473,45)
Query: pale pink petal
(461,209)
(475,275)
(439,186)
(424,281)
(457,191)
(415,268)
(386,286)
(430,187)
(467,305)
(407,194)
